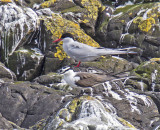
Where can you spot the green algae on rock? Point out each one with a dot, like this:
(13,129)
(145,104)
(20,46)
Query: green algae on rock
(149,73)
(26,63)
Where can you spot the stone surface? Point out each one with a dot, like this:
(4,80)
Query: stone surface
(6,73)
(28,102)
(128,99)
(26,63)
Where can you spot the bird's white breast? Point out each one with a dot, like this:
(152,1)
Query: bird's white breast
(71,79)
(66,43)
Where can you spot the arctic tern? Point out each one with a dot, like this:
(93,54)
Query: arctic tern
(83,52)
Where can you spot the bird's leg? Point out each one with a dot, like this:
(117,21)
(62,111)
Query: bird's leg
(78,64)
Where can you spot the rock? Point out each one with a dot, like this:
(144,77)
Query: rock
(53,64)
(26,64)
(48,79)
(148,73)
(58,5)
(118,3)
(5,124)
(112,65)
(85,107)
(94,114)
(29,102)
(6,73)
(16,27)
(129,99)
(83,12)
(102,22)
(130,26)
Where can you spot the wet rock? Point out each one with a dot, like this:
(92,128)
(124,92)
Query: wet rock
(26,64)
(117,3)
(29,102)
(149,73)
(48,79)
(5,124)
(85,108)
(132,26)
(16,27)
(6,73)
(58,5)
(53,64)
(94,114)
(112,65)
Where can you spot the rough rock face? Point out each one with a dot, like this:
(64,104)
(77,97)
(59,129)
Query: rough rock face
(102,107)
(6,73)
(134,25)
(28,102)
(26,63)
(33,95)
(17,24)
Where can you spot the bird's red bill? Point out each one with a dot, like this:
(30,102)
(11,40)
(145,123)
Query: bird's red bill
(57,40)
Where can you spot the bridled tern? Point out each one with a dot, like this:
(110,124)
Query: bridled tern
(82,79)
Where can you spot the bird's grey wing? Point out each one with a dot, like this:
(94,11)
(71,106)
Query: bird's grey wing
(80,51)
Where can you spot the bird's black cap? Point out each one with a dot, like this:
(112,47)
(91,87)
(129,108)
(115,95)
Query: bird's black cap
(63,69)
(67,35)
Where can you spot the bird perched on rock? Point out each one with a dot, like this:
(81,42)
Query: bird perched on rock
(83,52)
(82,79)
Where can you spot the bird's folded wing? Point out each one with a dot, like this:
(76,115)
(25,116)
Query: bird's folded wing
(81,50)
(90,79)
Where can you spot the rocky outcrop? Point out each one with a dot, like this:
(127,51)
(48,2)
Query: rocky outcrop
(28,102)
(26,63)
(6,74)
(133,25)
(34,96)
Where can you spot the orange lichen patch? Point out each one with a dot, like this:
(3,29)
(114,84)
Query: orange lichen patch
(58,25)
(6,1)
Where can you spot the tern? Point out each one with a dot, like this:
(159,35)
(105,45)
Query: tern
(82,79)
(83,52)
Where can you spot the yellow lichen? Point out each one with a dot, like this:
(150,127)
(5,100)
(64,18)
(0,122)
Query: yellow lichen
(147,24)
(155,59)
(73,105)
(122,21)
(126,123)
(77,102)
(151,17)
(58,25)
(67,117)
(47,4)
(144,25)
(5,0)
(92,7)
